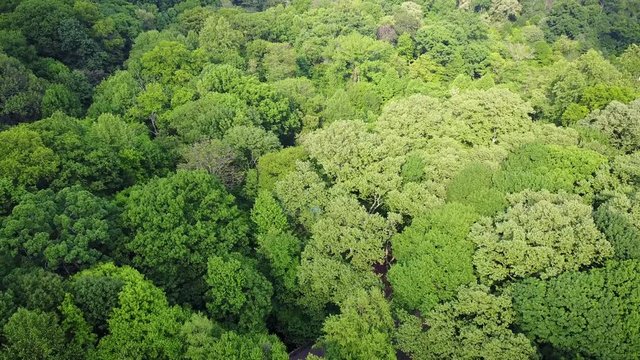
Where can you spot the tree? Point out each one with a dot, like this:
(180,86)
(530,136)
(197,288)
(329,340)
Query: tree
(251,143)
(541,234)
(303,194)
(220,41)
(169,63)
(276,242)
(587,314)
(33,334)
(26,161)
(206,118)
(473,185)
(550,167)
(279,62)
(600,95)
(221,78)
(205,340)
(620,123)
(408,18)
(20,92)
(362,330)
(475,324)
(346,242)
(115,95)
(177,223)
(357,160)
(238,294)
(567,18)
(437,42)
(434,258)
(103,156)
(60,98)
(414,119)
(218,158)
(617,219)
(485,117)
(64,231)
(629,62)
(40,22)
(501,10)
(80,340)
(143,326)
(96,295)
(269,108)
(34,289)
(273,166)
(120,154)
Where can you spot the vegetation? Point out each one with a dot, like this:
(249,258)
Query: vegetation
(371,179)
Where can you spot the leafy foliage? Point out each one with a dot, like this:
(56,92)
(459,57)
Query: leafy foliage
(476,323)
(585,313)
(177,230)
(540,235)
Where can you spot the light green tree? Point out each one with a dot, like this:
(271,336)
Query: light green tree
(239,295)
(362,330)
(541,234)
(475,324)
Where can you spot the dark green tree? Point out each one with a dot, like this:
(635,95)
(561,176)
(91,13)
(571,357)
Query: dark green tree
(176,224)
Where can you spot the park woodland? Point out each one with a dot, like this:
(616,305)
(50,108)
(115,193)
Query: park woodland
(319,179)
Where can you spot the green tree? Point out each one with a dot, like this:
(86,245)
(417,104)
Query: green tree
(357,160)
(20,92)
(475,324)
(205,340)
(473,186)
(434,258)
(64,231)
(216,157)
(618,220)
(177,223)
(34,288)
(238,294)
(549,167)
(541,234)
(362,330)
(408,18)
(485,117)
(143,326)
(303,194)
(276,242)
(115,95)
(60,98)
(587,314)
(600,95)
(26,161)
(273,166)
(346,242)
(251,143)
(620,123)
(120,154)
(80,340)
(220,41)
(33,334)
(279,62)
(96,295)
(169,63)
(208,117)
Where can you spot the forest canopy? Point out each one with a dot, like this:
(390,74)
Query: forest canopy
(304,179)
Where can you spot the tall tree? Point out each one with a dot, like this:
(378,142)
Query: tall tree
(176,223)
